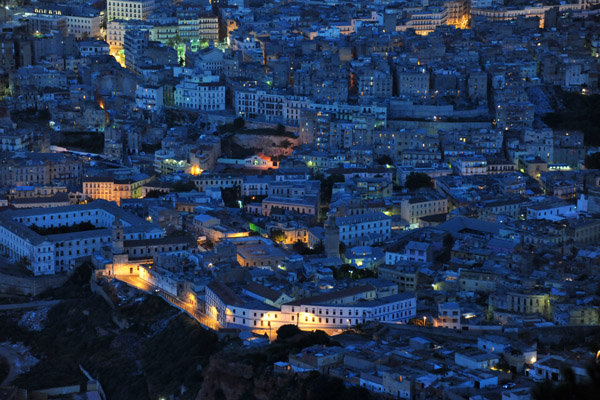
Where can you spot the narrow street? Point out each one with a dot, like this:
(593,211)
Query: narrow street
(202,318)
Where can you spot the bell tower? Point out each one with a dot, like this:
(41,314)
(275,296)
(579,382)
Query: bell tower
(332,238)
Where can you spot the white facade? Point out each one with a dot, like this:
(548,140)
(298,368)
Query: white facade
(250,103)
(232,311)
(200,94)
(365,228)
(84,26)
(149,97)
(550,211)
(476,165)
(129,9)
(50,254)
(94,48)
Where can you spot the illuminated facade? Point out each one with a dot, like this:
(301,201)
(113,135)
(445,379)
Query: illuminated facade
(129,9)
(320,312)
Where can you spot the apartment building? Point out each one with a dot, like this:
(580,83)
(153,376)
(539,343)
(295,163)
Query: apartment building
(412,80)
(205,181)
(474,165)
(415,207)
(83,22)
(111,189)
(40,169)
(205,94)
(364,229)
(129,9)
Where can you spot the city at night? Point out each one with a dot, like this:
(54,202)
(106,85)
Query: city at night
(299,199)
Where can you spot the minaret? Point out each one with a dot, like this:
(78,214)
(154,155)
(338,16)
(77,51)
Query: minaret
(332,238)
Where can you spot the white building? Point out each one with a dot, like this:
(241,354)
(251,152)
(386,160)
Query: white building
(475,165)
(364,229)
(252,103)
(476,359)
(89,48)
(47,254)
(79,21)
(204,93)
(149,97)
(551,211)
(449,314)
(84,26)
(416,207)
(129,9)
(318,312)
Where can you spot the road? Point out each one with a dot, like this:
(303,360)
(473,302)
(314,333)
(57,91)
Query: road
(191,310)
(32,304)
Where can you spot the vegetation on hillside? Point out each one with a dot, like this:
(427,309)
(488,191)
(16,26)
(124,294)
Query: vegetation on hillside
(578,111)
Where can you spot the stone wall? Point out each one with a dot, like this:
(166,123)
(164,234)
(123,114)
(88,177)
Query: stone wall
(30,285)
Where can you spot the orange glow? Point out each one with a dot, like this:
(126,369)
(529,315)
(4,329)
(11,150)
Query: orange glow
(196,170)
(101,103)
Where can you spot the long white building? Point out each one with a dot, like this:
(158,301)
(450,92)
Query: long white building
(337,310)
(52,253)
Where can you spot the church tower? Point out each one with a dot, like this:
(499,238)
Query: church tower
(117,236)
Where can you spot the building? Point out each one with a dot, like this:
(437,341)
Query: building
(134,44)
(412,80)
(416,207)
(551,210)
(307,206)
(209,180)
(28,236)
(43,169)
(129,9)
(90,48)
(149,97)
(111,189)
(200,93)
(475,165)
(260,255)
(406,277)
(335,310)
(476,359)
(449,315)
(83,22)
(364,229)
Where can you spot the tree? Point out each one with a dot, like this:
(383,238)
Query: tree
(592,161)
(287,331)
(286,144)
(342,248)
(280,129)
(416,180)
(277,235)
(239,123)
(385,160)
(570,387)
(327,185)
(184,186)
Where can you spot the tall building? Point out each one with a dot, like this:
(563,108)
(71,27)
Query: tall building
(135,42)
(129,9)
